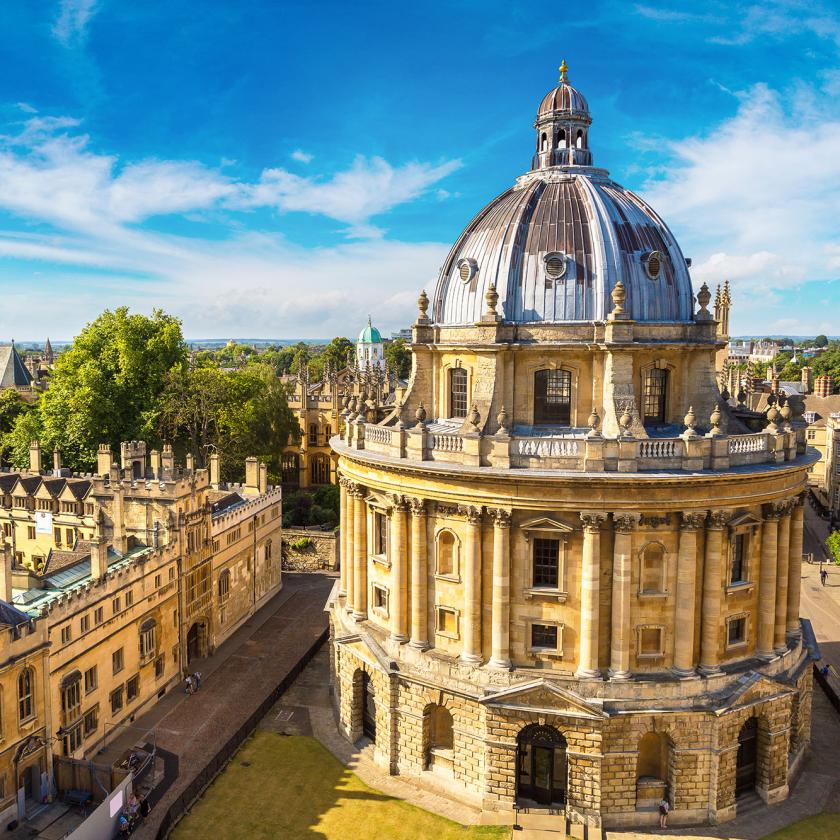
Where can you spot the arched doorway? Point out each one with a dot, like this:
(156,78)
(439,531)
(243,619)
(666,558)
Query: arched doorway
(438,738)
(541,765)
(747,762)
(368,707)
(196,641)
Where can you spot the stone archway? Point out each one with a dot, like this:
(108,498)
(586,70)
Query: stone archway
(438,739)
(746,763)
(541,765)
(197,641)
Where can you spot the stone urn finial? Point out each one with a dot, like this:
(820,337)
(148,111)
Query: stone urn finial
(619,296)
(625,421)
(772,419)
(491,297)
(420,414)
(742,395)
(786,412)
(422,306)
(724,394)
(704,296)
(690,420)
(714,420)
(503,420)
(593,421)
(474,418)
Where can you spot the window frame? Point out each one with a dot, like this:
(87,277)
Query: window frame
(542,384)
(29,698)
(456,614)
(645,656)
(729,621)
(662,591)
(455,574)
(540,650)
(660,376)
(547,528)
(458,400)
(379,589)
(117,656)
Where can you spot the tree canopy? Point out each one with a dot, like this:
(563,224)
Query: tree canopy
(398,355)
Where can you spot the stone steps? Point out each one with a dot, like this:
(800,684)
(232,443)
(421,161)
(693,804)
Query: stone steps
(749,803)
(553,826)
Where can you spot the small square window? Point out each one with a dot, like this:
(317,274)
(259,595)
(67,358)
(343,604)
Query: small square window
(380,600)
(447,622)
(132,688)
(544,636)
(736,630)
(650,641)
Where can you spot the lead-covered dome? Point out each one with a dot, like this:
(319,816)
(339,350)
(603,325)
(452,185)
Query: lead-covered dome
(557,242)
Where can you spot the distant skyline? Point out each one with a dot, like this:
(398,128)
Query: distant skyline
(274,169)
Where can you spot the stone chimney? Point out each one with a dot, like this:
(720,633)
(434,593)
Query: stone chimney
(154,458)
(252,476)
(215,471)
(56,462)
(190,462)
(98,557)
(6,578)
(263,480)
(807,379)
(167,462)
(35,457)
(118,518)
(824,386)
(104,460)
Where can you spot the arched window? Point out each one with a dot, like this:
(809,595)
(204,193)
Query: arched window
(652,571)
(440,728)
(553,397)
(579,142)
(26,684)
(148,631)
(313,434)
(290,468)
(320,469)
(446,548)
(224,585)
(543,142)
(458,392)
(561,138)
(655,396)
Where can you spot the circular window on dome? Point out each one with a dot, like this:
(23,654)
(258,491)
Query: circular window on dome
(653,264)
(467,269)
(555,265)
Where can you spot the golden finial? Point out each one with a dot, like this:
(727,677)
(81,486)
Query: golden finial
(564,70)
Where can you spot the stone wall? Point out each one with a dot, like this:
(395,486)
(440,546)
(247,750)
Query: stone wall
(320,555)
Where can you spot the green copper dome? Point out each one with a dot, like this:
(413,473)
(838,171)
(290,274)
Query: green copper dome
(370,335)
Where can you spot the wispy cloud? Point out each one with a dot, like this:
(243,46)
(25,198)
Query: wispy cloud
(301,156)
(70,26)
(755,199)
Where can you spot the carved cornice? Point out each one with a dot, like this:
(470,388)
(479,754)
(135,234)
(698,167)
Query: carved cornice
(592,520)
(500,516)
(446,510)
(624,522)
(650,521)
(692,520)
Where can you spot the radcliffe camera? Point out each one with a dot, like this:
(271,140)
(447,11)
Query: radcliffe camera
(419,421)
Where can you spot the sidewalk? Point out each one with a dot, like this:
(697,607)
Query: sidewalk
(236,679)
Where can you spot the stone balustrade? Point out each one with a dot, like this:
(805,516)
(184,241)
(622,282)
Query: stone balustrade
(577,453)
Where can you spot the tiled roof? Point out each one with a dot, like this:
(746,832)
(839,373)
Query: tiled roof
(13,372)
(59,559)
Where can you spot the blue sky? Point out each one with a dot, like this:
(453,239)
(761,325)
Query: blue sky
(271,169)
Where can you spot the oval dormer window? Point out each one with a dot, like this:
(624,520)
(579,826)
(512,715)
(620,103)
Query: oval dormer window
(467,269)
(555,265)
(653,264)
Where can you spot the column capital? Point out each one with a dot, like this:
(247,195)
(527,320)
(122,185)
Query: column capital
(357,490)
(718,519)
(471,513)
(774,511)
(500,517)
(624,522)
(418,506)
(692,520)
(592,520)
(400,503)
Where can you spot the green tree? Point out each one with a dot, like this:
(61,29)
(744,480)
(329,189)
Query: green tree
(15,444)
(106,388)
(821,341)
(832,543)
(398,356)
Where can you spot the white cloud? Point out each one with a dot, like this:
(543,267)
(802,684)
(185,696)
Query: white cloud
(73,17)
(301,156)
(756,198)
(249,283)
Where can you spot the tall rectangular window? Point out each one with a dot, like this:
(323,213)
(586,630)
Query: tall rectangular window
(655,394)
(553,397)
(738,559)
(380,533)
(458,392)
(546,562)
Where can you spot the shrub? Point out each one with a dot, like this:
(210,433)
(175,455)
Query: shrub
(300,543)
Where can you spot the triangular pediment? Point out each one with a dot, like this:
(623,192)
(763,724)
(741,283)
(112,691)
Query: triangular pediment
(752,687)
(744,518)
(544,696)
(546,523)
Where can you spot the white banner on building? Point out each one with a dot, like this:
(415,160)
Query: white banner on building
(43,522)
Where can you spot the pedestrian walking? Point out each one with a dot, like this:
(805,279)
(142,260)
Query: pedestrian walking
(664,807)
(823,576)
(197,680)
(189,685)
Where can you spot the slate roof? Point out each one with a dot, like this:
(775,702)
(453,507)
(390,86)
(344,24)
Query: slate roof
(13,372)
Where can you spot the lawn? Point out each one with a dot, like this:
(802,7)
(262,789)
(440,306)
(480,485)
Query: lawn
(292,787)
(819,827)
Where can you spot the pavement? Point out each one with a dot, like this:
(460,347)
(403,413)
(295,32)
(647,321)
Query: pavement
(235,681)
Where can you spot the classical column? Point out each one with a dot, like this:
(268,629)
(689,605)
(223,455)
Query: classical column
(590,593)
(342,579)
(624,524)
(686,593)
(471,651)
(712,594)
(399,629)
(767,583)
(419,617)
(797,525)
(360,552)
(347,549)
(500,645)
(783,560)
